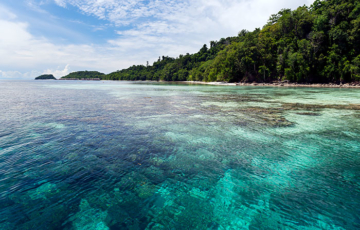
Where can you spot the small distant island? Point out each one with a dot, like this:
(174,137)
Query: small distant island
(46,77)
(84,75)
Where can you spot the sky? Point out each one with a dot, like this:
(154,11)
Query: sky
(62,36)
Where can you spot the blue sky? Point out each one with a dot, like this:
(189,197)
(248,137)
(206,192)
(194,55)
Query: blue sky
(62,36)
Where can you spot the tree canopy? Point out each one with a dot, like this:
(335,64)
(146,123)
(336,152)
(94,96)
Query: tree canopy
(46,77)
(85,74)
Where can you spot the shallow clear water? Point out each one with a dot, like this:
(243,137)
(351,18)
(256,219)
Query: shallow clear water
(121,155)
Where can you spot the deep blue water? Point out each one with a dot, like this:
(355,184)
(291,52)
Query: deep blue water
(121,155)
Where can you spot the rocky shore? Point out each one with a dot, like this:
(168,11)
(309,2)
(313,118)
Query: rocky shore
(281,84)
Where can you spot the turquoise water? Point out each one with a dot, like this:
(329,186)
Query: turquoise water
(121,155)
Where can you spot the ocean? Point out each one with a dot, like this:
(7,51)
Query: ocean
(137,155)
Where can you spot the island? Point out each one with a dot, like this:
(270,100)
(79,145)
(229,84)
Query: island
(84,75)
(46,77)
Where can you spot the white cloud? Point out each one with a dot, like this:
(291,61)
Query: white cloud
(182,23)
(22,54)
(61,3)
(16,75)
(228,13)
(58,72)
(5,14)
(10,75)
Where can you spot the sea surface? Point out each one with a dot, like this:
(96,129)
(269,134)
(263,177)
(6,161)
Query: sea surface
(132,155)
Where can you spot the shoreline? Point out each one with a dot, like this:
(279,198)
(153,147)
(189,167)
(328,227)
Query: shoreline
(280,84)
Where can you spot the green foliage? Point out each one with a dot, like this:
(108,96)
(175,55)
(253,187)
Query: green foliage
(85,74)
(46,77)
(320,43)
(355,68)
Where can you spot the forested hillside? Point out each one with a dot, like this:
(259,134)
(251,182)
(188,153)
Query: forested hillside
(46,77)
(319,43)
(85,74)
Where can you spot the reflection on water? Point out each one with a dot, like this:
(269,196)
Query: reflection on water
(121,155)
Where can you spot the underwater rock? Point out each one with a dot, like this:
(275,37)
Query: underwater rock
(189,213)
(145,190)
(322,222)
(155,226)
(177,208)
(129,181)
(89,218)
(129,199)
(139,183)
(266,116)
(126,183)
(309,114)
(102,200)
(156,161)
(224,193)
(116,217)
(44,191)
(198,193)
(154,174)
(278,121)
(33,174)
(228,208)
(205,155)
(317,107)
